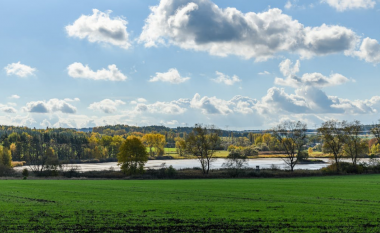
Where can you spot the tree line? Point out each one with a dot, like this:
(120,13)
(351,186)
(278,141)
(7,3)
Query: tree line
(42,148)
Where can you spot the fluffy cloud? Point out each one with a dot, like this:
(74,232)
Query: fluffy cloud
(106,105)
(210,105)
(308,97)
(309,79)
(222,78)
(311,100)
(277,100)
(20,70)
(99,27)
(78,70)
(139,100)
(264,73)
(242,104)
(343,5)
(7,109)
(369,51)
(172,108)
(14,97)
(288,5)
(53,105)
(187,23)
(172,76)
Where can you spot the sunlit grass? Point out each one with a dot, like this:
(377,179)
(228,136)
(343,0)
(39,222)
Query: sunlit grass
(327,204)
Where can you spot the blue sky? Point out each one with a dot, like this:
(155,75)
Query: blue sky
(245,64)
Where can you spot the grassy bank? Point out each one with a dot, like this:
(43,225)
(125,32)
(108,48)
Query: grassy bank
(334,204)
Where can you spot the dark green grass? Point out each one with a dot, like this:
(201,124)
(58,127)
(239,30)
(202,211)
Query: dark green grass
(327,204)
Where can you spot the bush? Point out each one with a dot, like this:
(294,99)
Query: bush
(249,151)
(302,155)
(162,173)
(25,173)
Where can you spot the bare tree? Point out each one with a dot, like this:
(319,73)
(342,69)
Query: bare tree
(202,143)
(334,137)
(292,136)
(354,146)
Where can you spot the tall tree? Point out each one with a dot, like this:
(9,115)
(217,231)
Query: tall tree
(292,136)
(354,146)
(334,137)
(202,143)
(132,156)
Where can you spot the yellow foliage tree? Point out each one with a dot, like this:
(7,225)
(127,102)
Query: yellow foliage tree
(310,151)
(132,156)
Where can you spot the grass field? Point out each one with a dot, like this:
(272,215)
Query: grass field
(319,204)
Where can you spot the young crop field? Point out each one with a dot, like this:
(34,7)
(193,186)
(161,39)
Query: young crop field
(318,204)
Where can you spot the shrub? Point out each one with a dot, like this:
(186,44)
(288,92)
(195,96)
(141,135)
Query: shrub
(249,151)
(25,173)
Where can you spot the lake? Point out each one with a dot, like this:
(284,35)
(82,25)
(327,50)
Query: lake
(190,163)
(217,163)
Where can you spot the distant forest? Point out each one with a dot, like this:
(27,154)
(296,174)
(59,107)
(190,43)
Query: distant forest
(24,144)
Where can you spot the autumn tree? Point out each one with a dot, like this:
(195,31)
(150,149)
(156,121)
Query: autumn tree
(5,156)
(154,141)
(132,156)
(310,151)
(292,136)
(180,145)
(202,143)
(334,137)
(354,146)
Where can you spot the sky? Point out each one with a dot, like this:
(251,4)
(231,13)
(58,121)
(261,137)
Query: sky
(235,64)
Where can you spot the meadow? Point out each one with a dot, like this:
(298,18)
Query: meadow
(317,204)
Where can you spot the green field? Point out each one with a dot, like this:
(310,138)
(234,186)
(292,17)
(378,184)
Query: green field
(319,204)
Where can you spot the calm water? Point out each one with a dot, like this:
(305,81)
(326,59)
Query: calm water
(190,163)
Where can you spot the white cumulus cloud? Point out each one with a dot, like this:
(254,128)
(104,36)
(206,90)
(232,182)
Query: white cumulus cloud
(20,70)
(187,24)
(172,76)
(309,79)
(172,108)
(53,105)
(106,105)
(78,70)
(7,108)
(223,78)
(99,27)
(369,51)
(14,97)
